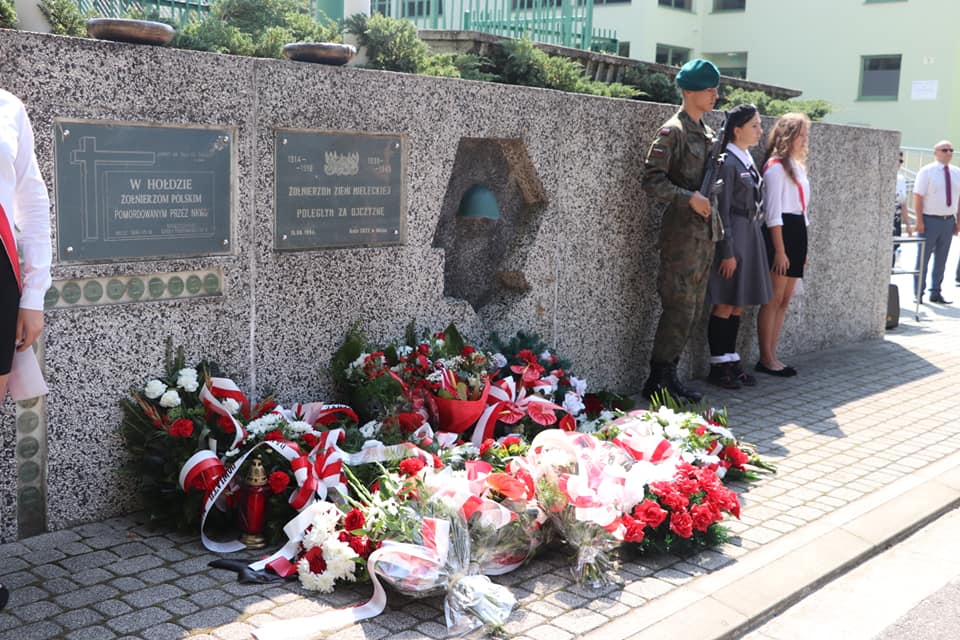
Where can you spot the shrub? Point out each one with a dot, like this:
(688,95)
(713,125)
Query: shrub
(392,43)
(64,17)
(653,87)
(768,106)
(213,34)
(8,15)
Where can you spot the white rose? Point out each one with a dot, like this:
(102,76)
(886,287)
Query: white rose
(170,399)
(154,389)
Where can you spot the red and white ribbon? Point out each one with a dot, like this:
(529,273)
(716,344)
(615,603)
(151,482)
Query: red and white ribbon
(503,398)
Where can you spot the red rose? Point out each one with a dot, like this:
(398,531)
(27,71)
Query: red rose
(273,435)
(634,532)
(314,557)
(681,524)
(181,428)
(411,466)
(354,520)
(310,440)
(361,545)
(650,513)
(485,446)
(409,422)
(592,404)
(702,516)
(279,481)
(467,350)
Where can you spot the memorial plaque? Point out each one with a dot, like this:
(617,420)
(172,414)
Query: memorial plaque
(142,192)
(339,189)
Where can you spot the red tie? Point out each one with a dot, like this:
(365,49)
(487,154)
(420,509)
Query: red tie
(10,245)
(946,177)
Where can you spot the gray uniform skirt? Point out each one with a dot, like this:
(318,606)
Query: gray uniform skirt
(750,284)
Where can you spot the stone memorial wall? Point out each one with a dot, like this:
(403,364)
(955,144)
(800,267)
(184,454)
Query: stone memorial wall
(270,205)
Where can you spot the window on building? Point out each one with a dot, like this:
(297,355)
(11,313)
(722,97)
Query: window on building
(880,77)
(606,1)
(623,49)
(422,8)
(668,54)
(686,5)
(530,4)
(380,6)
(729,5)
(730,63)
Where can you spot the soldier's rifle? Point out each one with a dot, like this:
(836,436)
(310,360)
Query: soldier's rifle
(712,183)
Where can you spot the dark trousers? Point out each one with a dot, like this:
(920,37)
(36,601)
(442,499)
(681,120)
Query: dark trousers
(938,233)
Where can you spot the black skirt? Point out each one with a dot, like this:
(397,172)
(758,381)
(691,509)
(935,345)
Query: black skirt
(9,310)
(794,231)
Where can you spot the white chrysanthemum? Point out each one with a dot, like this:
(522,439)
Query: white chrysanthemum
(264,424)
(435,377)
(499,360)
(371,429)
(325,519)
(340,559)
(572,403)
(170,399)
(231,405)
(154,389)
(673,431)
(322,582)
(300,426)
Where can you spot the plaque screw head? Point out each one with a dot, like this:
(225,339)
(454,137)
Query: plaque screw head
(396,145)
(284,141)
(226,242)
(66,133)
(284,237)
(69,249)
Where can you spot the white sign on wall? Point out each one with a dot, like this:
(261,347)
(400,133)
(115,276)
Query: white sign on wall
(923,90)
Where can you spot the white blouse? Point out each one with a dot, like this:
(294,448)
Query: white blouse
(781,195)
(23,195)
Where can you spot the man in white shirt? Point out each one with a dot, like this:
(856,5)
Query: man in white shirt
(935,196)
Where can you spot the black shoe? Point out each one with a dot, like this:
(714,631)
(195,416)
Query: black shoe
(745,378)
(936,297)
(677,388)
(4,596)
(786,372)
(723,375)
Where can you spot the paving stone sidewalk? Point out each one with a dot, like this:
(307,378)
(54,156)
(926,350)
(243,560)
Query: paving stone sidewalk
(856,419)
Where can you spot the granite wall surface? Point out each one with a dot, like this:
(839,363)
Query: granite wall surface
(588,257)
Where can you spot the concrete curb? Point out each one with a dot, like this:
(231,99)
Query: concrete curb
(730,602)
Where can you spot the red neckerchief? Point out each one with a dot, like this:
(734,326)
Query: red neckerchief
(803,201)
(10,246)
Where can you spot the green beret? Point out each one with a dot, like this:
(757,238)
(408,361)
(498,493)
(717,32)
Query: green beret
(697,75)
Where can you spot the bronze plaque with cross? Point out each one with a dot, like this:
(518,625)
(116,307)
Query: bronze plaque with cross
(339,189)
(141,192)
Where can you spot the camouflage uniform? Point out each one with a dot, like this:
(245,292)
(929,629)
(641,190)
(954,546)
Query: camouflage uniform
(673,171)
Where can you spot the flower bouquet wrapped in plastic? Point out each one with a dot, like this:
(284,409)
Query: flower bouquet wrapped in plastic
(581,483)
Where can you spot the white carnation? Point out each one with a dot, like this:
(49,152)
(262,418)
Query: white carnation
(154,389)
(404,350)
(170,399)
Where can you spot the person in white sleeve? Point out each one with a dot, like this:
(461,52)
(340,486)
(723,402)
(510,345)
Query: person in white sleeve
(25,236)
(935,195)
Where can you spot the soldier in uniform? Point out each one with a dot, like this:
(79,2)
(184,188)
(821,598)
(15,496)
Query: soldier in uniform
(673,174)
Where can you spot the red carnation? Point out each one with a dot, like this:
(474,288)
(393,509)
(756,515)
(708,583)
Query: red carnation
(437,462)
(687,486)
(650,512)
(354,520)
(736,457)
(681,524)
(279,481)
(310,440)
(467,350)
(273,435)
(485,446)
(361,545)
(675,501)
(510,440)
(411,466)
(314,557)
(181,428)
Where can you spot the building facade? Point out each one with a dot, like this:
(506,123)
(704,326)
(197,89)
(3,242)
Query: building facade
(880,63)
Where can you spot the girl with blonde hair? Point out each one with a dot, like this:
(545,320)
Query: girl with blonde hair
(786,198)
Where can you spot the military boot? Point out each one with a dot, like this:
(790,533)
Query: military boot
(656,381)
(679,390)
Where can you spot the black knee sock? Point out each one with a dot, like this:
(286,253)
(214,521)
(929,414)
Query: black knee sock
(716,335)
(733,328)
